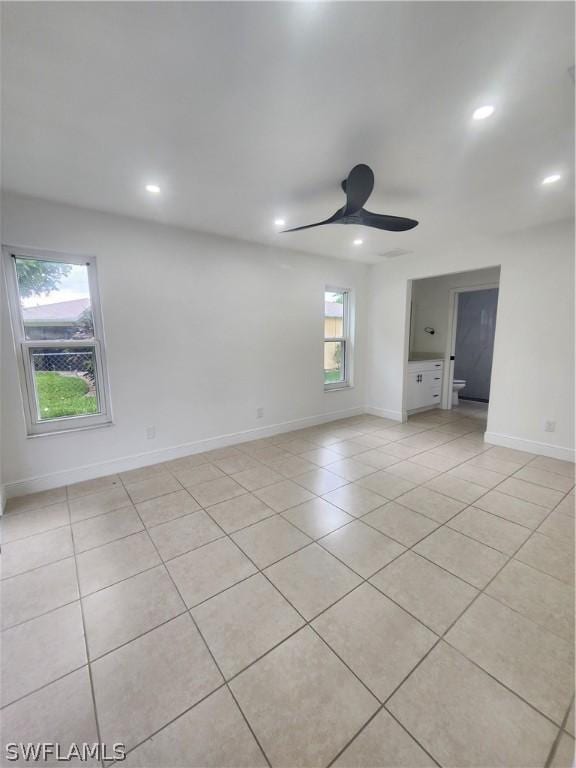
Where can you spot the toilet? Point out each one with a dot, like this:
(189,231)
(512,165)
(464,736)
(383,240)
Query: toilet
(457,385)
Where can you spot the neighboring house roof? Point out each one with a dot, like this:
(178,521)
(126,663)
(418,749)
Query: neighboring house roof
(333,309)
(59,312)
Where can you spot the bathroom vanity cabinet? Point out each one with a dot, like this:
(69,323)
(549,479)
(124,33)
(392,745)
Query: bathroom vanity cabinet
(424,385)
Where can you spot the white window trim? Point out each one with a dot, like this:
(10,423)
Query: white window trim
(347,338)
(34,426)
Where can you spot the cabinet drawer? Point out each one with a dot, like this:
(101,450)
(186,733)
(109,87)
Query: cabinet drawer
(431,379)
(427,365)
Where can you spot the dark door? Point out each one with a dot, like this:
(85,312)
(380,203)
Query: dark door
(475,331)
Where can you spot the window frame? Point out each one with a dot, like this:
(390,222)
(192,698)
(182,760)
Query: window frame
(346,339)
(36,427)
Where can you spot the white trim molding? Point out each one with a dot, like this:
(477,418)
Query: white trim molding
(91,471)
(347,337)
(531,446)
(384,413)
(25,346)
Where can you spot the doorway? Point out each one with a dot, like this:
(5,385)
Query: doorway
(434,336)
(471,338)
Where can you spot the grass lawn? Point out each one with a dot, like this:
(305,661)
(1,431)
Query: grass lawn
(332,376)
(63,396)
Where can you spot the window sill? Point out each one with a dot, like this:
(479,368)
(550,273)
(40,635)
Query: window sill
(339,388)
(71,430)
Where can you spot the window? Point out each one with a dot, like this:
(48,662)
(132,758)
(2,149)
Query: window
(337,346)
(57,329)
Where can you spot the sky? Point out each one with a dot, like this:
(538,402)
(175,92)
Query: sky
(73,286)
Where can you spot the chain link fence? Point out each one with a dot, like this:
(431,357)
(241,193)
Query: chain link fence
(62,362)
(65,382)
(72,362)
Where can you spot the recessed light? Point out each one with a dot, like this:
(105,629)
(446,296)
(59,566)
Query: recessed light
(552,178)
(154,189)
(358,241)
(483,112)
(279,222)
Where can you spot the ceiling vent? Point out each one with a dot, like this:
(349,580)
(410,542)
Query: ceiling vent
(395,253)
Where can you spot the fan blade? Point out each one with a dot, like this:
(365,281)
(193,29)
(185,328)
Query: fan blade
(335,217)
(381,221)
(358,187)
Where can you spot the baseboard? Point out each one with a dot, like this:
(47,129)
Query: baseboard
(91,471)
(424,409)
(383,413)
(530,446)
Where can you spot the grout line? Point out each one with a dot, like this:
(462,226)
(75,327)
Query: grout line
(510,557)
(188,491)
(45,613)
(500,682)
(209,651)
(566,718)
(307,623)
(398,500)
(16,512)
(365,580)
(392,715)
(41,687)
(85,634)
(438,641)
(170,722)
(562,730)
(38,533)
(317,540)
(92,659)
(497,517)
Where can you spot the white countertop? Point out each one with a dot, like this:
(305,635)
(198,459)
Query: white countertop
(422,357)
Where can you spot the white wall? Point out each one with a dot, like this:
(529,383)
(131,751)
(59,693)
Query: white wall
(2,364)
(431,306)
(201,331)
(177,361)
(533,370)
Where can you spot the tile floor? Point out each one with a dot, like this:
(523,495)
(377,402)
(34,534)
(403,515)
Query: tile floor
(362,593)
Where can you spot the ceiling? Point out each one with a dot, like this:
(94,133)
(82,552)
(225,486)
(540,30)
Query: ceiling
(244,112)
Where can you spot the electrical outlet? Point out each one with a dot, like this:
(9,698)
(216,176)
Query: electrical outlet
(259,413)
(150,433)
(549,426)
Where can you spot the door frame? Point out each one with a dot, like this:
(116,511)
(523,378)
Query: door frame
(408,322)
(448,376)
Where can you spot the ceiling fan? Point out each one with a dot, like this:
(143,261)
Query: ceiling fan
(358,188)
